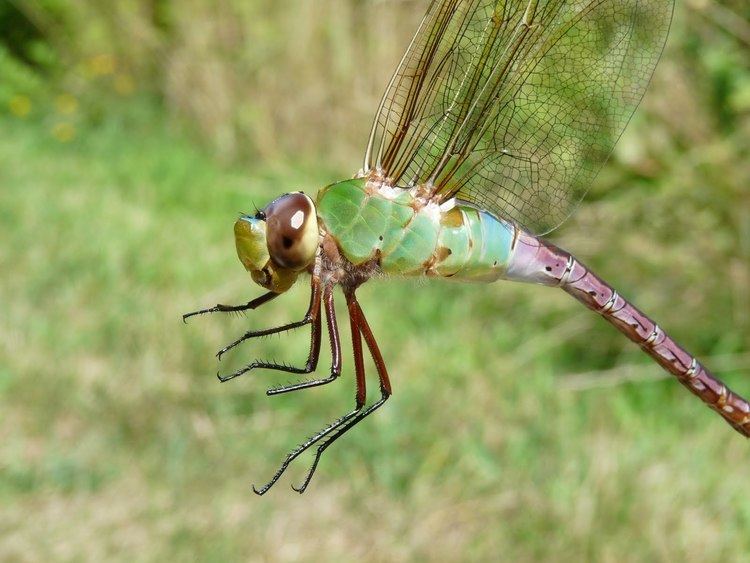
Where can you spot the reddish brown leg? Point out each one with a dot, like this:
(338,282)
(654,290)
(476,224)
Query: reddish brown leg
(359,362)
(354,319)
(359,414)
(377,357)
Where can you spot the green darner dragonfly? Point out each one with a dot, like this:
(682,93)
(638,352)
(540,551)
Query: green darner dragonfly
(494,124)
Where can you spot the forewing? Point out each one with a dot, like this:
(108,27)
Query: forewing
(515,105)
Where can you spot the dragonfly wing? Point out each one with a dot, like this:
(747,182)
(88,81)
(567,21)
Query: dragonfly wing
(514,105)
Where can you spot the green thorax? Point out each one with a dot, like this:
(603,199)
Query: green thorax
(372,222)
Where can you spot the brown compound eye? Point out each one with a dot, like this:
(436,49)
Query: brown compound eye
(292,231)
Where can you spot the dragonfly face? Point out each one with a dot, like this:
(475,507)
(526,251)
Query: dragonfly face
(278,242)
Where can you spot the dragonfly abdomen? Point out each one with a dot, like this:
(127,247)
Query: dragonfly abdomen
(537,261)
(407,237)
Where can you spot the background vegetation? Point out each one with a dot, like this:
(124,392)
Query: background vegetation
(522,427)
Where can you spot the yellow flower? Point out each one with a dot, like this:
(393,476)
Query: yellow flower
(124,84)
(66,104)
(102,64)
(64,132)
(20,105)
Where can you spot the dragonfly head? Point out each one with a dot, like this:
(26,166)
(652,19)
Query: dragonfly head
(278,242)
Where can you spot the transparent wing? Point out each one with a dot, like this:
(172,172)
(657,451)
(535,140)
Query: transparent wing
(515,104)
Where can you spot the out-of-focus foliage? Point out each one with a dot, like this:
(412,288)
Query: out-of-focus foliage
(225,66)
(522,427)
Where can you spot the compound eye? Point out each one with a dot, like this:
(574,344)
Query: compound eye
(292,231)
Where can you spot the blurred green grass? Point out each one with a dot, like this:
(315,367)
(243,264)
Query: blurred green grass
(117,442)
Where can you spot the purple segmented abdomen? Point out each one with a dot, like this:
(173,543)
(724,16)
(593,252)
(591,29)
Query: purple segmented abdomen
(537,261)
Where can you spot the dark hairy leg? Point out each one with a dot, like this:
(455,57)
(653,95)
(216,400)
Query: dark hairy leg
(254,304)
(335,368)
(311,317)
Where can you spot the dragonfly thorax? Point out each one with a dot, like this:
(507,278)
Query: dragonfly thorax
(278,242)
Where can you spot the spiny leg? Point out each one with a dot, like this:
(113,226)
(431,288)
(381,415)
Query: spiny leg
(333,335)
(254,304)
(359,414)
(360,399)
(309,367)
(313,310)
(312,316)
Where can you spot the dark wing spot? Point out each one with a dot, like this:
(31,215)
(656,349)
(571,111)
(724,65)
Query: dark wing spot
(287,242)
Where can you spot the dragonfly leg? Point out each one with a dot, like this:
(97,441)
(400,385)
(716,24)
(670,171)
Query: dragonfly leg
(351,420)
(311,317)
(359,400)
(333,335)
(250,305)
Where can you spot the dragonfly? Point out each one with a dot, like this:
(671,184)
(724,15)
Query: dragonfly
(490,131)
